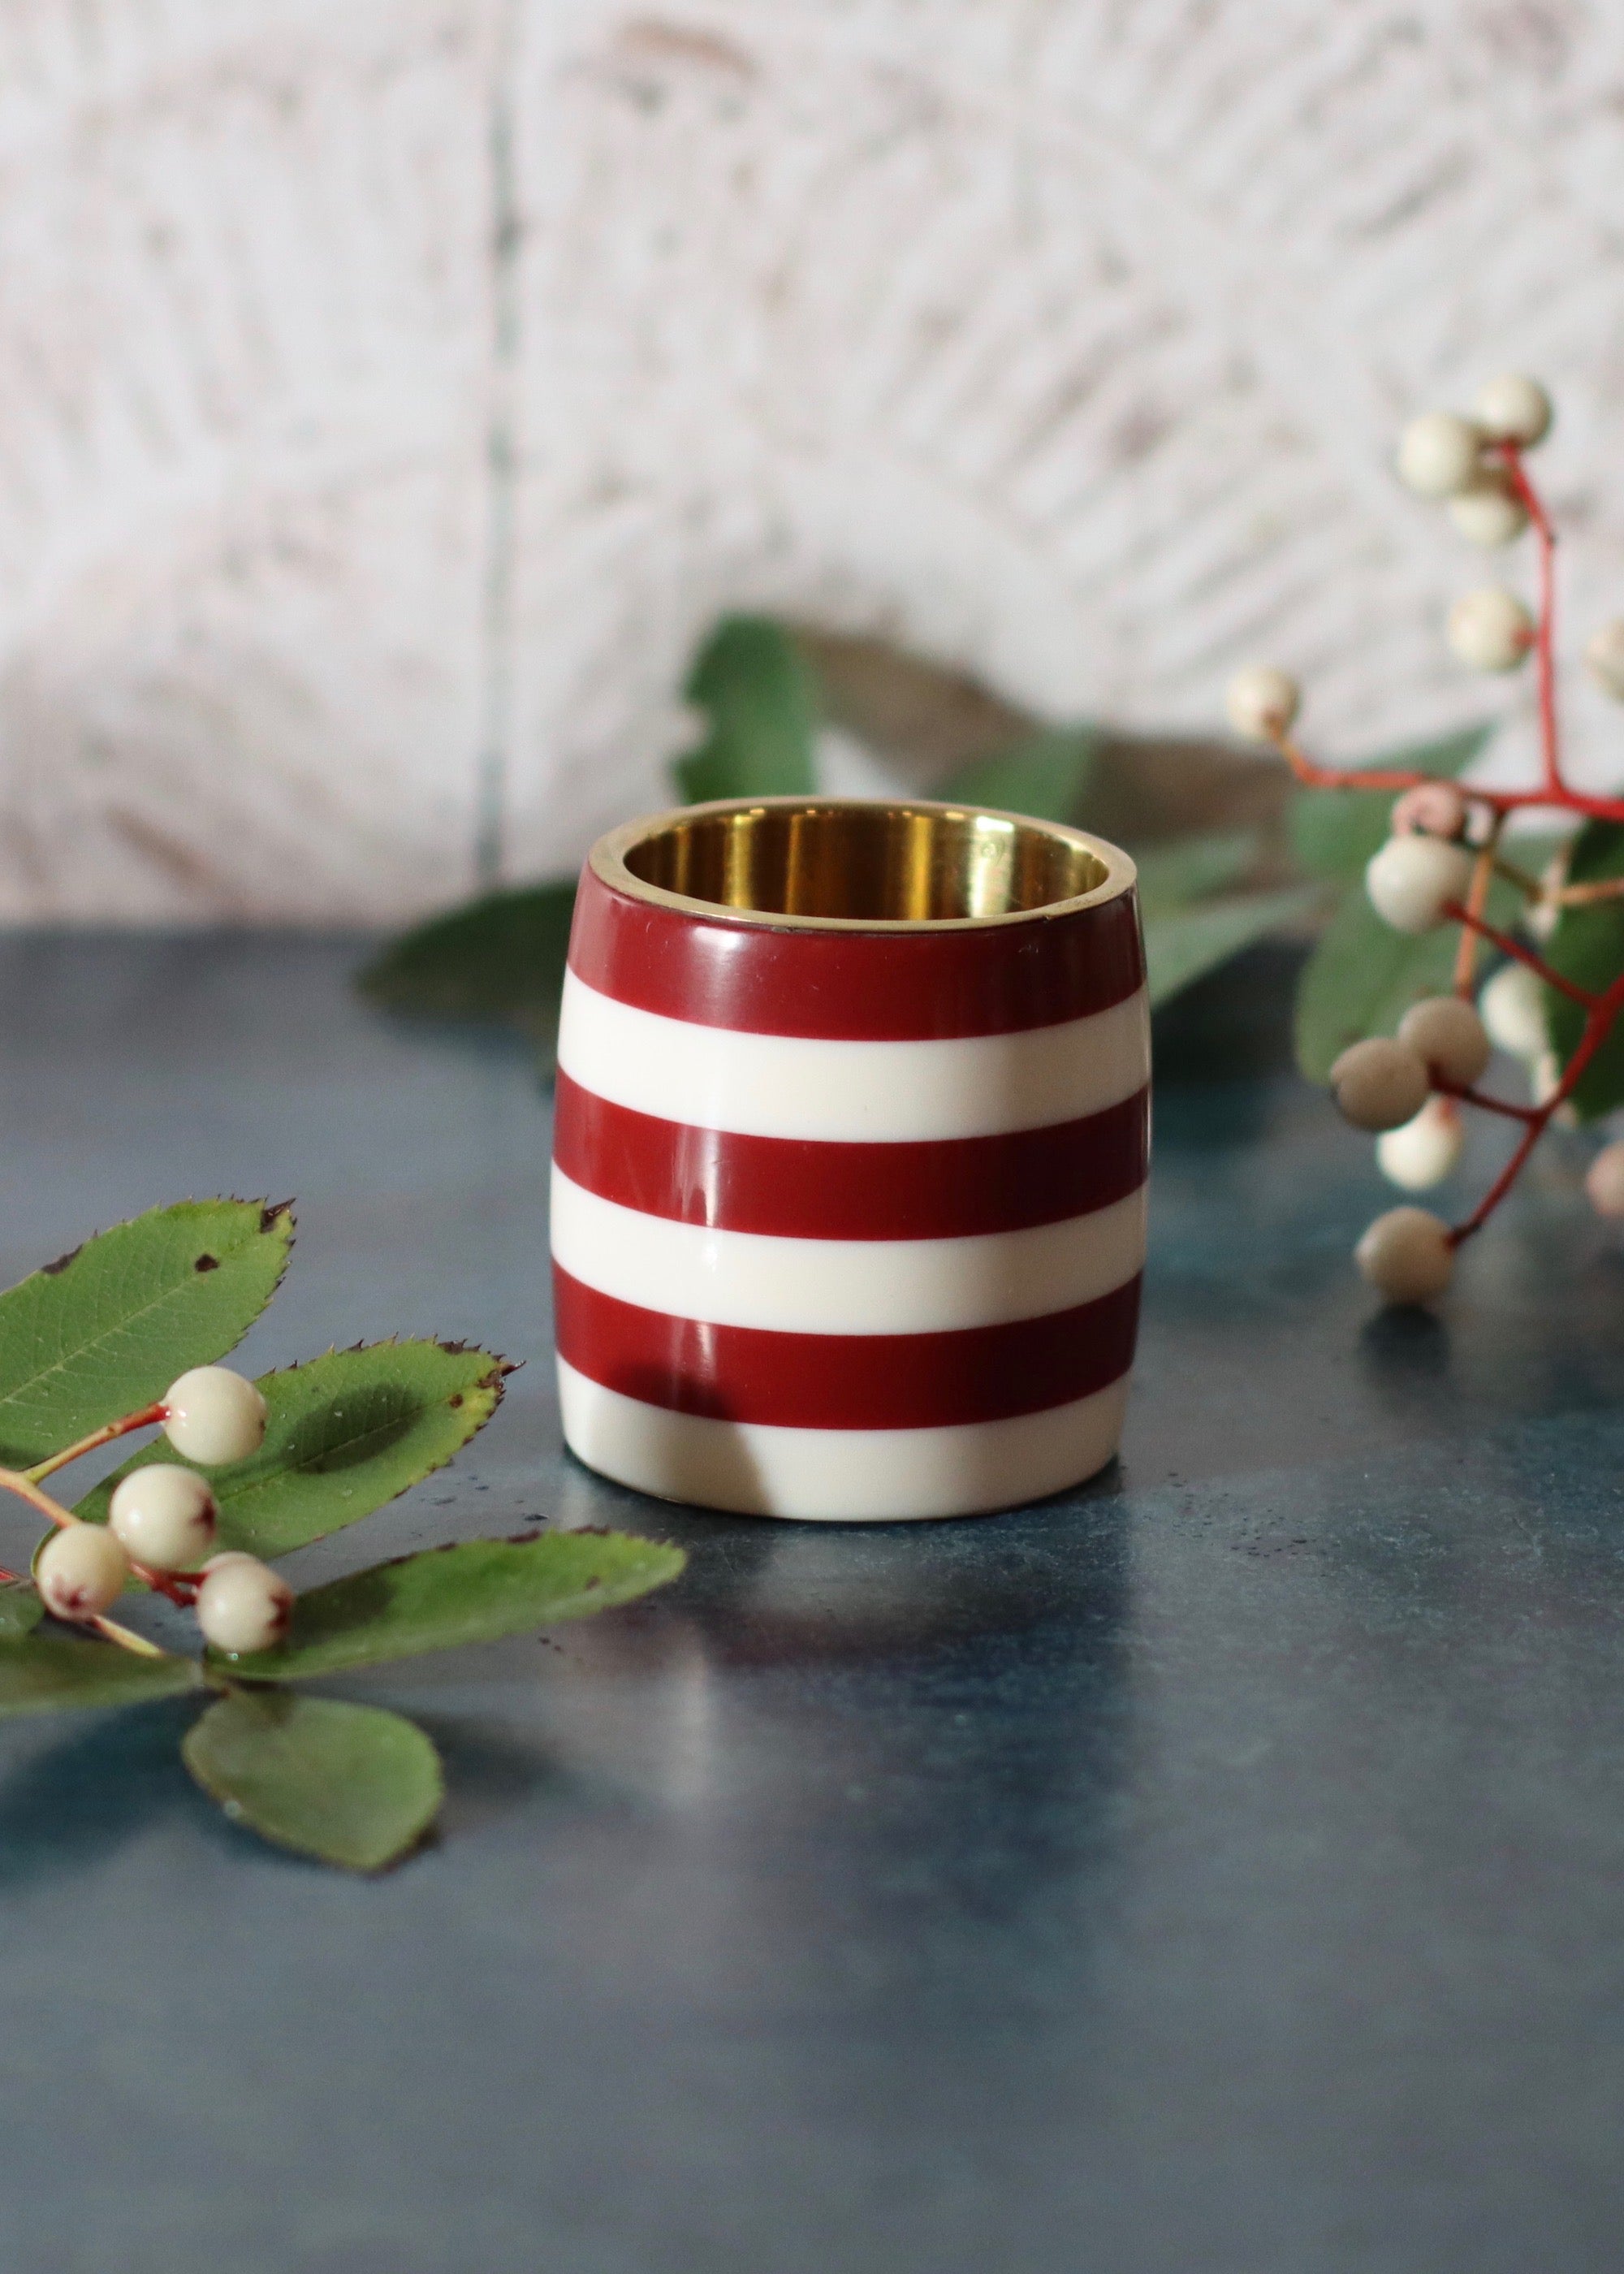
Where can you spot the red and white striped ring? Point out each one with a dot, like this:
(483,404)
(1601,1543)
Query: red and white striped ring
(848,1215)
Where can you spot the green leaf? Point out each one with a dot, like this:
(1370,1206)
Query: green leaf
(351,1785)
(108,1328)
(343,1433)
(1172,876)
(1334,832)
(758,690)
(1588,947)
(1045,776)
(475,1592)
(1181,946)
(44,1671)
(501,960)
(1362,976)
(20,1611)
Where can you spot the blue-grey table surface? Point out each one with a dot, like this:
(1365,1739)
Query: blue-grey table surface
(1218,1868)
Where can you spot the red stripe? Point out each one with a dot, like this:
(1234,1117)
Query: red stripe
(846,1382)
(802,1188)
(875,986)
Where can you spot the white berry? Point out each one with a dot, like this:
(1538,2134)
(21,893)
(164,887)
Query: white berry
(80,1570)
(1604,656)
(1490,629)
(1515,409)
(213,1416)
(1448,1037)
(1604,1181)
(1545,1079)
(1422,1152)
(1438,454)
(243,1605)
(1489,513)
(1406,1255)
(1512,1005)
(1411,878)
(1262,702)
(1379,1083)
(165,1517)
(1432,808)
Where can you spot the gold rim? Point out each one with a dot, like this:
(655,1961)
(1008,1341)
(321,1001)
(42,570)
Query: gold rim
(916,853)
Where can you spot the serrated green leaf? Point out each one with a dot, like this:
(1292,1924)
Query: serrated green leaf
(1588,947)
(1045,776)
(1181,946)
(109,1327)
(20,1611)
(759,692)
(475,1592)
(1334,832)
(43,1671)
(351,1785)
(500,960)
(1362,976)
(343,1433)
(1172,876)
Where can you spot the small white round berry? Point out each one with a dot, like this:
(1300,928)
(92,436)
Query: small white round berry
(1490,629)
(1438,454)
(243,1605)
(1262,702)
(165,1517)
(1512,1005)
(1422,1152)
(1409,880)
(1433,809)
(1604,656)
(1489,513)
(213,1416)
(1379,1083)
(1406,1255)
(1545,1079)
(80,1570)
(1448,1037)
(1604,1181)
(1515,409)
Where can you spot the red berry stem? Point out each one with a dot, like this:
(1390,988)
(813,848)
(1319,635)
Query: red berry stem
(1509,945)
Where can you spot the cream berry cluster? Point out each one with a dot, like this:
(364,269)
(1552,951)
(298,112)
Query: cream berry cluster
(162,1523)
(1445,848)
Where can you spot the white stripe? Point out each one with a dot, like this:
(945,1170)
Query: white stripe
(839,1476)
(844,1286)
(878,1093)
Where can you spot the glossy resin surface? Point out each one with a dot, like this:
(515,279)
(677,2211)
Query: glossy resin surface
(1221,1868)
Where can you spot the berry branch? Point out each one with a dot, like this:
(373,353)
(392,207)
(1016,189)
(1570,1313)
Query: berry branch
(1439,863)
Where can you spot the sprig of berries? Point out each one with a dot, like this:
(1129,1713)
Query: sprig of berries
(162,1523)
(1438,863)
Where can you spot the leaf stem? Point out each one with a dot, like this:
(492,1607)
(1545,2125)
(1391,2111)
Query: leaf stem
(20,1482)
(148,1415)
(126,1637)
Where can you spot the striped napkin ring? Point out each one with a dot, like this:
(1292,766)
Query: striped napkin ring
(850,1157)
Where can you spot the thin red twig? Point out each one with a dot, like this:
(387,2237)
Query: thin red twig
(1509,945)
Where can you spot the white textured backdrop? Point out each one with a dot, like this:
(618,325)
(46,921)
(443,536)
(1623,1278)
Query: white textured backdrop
(390,393)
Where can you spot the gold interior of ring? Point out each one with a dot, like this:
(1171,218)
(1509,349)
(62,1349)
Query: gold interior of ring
(868,864)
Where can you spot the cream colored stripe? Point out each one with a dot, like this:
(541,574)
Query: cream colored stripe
(839,1476)
(844,1286)
(782,1086)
